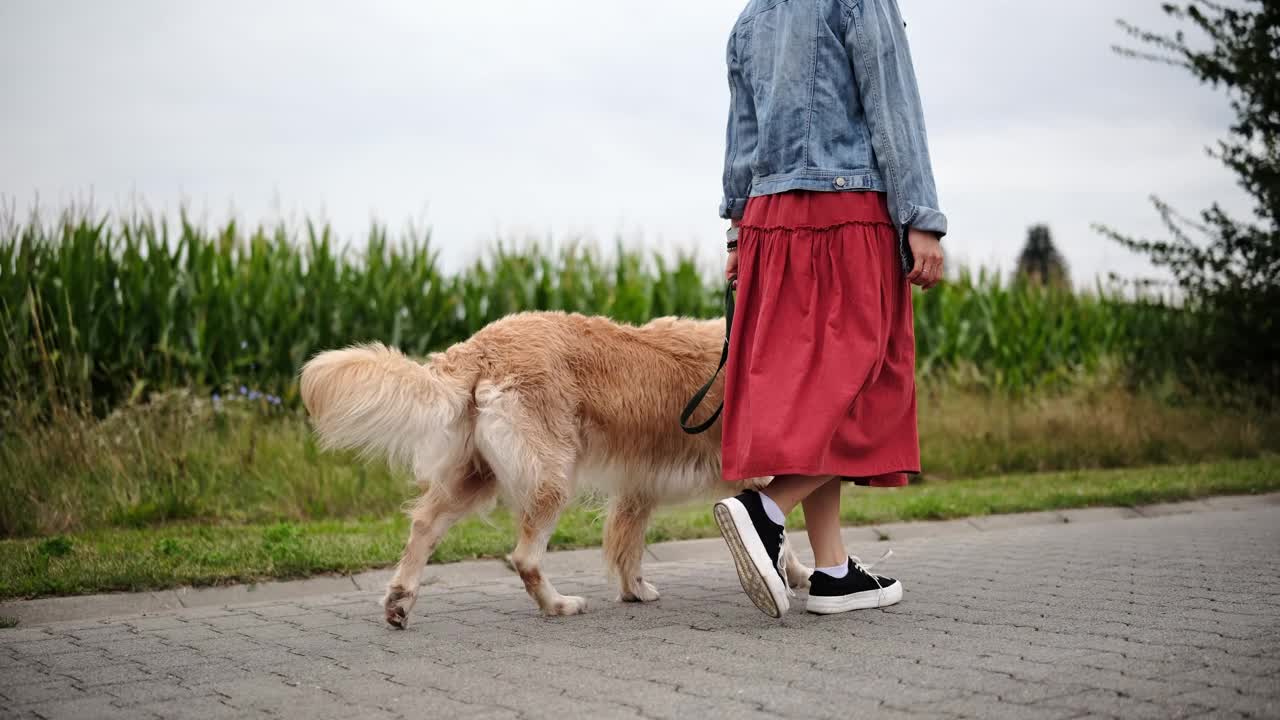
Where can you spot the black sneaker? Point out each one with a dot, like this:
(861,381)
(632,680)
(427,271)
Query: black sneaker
(756,543)
(858,590)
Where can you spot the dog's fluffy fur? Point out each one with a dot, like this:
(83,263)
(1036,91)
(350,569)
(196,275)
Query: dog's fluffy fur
(533,409)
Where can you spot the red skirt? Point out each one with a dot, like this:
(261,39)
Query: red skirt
(821,372)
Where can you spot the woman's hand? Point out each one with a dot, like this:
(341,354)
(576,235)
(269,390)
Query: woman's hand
(731,265)
(926,248)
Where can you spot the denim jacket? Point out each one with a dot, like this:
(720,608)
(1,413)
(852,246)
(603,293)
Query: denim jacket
(824,97)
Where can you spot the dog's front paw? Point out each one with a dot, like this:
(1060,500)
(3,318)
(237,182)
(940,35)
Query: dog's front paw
(800,580)
(641,591)
(566,605)
(397,605)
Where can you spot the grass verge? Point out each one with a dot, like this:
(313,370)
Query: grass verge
(185,459)
(165,556)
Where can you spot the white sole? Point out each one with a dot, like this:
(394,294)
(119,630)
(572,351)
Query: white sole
(758,576)
(824,605)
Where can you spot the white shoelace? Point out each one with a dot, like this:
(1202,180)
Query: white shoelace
(867,570)
(782,565)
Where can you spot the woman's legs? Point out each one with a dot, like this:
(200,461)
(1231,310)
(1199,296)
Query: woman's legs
(788,491)
(821,499)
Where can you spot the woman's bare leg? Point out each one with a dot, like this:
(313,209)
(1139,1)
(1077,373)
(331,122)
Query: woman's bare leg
(822,520)
(788,491)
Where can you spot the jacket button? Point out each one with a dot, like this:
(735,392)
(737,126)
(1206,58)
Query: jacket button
(840,182)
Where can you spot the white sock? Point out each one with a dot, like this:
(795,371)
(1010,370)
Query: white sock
(772,510)
(835,571)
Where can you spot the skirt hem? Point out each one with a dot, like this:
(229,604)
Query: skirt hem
(853,477)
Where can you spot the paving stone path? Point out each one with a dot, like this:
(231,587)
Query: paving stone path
(1165,617)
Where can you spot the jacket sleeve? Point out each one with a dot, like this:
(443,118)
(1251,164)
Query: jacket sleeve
(876,40)
(740,139)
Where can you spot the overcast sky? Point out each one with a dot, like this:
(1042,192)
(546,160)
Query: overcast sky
(570,117)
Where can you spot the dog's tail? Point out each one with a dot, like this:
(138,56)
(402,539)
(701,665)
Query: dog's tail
(373,399)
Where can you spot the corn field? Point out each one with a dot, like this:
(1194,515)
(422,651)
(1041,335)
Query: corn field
(96,311)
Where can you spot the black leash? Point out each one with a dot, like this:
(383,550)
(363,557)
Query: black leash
(724,358)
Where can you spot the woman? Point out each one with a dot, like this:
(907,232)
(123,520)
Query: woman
(834,215)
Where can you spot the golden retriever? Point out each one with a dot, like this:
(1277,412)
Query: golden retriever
(533,409)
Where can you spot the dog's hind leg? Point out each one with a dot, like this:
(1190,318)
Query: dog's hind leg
(537,522)
(624,547)
(527,438)
(442,505)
